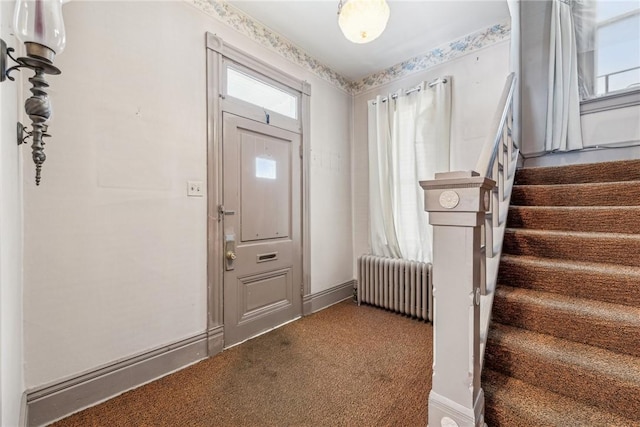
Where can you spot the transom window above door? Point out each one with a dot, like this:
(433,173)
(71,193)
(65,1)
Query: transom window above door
(250,88)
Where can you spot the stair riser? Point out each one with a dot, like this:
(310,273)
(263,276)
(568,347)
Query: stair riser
(613,194)
(622,337)
(591,248)
(498,415)
(553,374)
(603,220)
(613,288)
(575,174)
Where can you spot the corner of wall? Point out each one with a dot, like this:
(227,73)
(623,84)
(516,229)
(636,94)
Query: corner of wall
(12,384)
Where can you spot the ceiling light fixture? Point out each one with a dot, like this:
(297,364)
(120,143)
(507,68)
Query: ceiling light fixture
(39,25)
(362,21)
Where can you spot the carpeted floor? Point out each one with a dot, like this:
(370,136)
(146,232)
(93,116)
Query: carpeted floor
(346,365)
(564,344)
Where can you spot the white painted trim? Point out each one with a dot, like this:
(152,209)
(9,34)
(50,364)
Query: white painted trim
(610,102)
(323,299)
(305,126)
(22,421)
(217,52)
(264,332)
(254,64)
(56,401)
(459,413)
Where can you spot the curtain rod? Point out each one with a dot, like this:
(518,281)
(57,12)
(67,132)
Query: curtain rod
(415,89)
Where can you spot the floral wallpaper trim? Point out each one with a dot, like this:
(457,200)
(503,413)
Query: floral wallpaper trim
(273,41)
(246,25)
(444,53)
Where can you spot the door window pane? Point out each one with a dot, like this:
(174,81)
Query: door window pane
(248,88)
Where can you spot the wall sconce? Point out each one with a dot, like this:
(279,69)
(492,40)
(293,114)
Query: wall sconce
(39,25)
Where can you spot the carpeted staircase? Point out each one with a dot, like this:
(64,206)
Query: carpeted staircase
(564,344)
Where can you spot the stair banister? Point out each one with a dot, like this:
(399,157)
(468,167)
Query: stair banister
(468,212)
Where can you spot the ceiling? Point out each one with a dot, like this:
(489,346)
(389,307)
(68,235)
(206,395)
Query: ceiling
(414,28)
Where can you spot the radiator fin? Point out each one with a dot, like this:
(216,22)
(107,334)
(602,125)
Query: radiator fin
(396,284)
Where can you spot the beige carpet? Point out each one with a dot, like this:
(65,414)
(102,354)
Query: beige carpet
(344,366)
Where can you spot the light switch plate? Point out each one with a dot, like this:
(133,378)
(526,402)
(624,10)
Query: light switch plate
(195,188)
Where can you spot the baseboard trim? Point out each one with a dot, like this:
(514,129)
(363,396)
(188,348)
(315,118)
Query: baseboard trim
(323,299)
(215,340)
(59,400)
(22,422)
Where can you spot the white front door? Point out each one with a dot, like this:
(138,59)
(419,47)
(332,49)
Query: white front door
(262,227)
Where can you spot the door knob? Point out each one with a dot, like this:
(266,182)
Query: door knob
(229,250)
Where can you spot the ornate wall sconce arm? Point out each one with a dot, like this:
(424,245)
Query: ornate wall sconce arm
(39,25)
(37,106)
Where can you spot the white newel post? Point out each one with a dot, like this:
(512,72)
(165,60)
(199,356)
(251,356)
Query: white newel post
(456,202)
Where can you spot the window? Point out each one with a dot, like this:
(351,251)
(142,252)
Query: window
(265,168)
(608,39)
(247,88)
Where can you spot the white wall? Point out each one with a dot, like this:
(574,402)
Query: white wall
(331,215)
(620,126)
(115,253)
(11,348)
(478,79)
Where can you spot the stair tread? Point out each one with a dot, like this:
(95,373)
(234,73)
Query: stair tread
(585,234)
(602,363)
(614,283)
(614,248)
(600,310)
(614,219)
(610,326)
(576,208)
(589,266)
(617,193)
(526,404)
(623,170)
(580,185)
(592,375)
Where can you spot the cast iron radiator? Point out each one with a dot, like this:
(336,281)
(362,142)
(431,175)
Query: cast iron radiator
(396,284)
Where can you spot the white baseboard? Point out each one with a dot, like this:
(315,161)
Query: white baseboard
(323,299)
(53,402)
(22,421)
(59,400)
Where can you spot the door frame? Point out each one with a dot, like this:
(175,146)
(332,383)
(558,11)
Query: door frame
(217,52)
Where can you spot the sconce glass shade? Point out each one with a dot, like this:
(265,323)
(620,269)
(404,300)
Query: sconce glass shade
(40,21)
(362,21)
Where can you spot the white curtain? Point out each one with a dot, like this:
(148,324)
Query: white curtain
(584,19)
(563,103)
(408,142)
(384,240)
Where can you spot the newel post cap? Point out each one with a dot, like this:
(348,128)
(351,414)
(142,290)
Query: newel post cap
(458,192)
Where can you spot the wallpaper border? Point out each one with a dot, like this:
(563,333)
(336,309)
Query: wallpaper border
(246,25)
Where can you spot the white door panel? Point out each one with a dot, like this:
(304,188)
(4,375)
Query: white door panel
(262,227)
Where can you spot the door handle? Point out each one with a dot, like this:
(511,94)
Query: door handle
(222,212)
(231,255)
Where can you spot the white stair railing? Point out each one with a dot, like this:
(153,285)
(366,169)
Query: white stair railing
(468,211)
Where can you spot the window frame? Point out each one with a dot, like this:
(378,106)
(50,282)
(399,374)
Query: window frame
(254,111)
(616,99)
